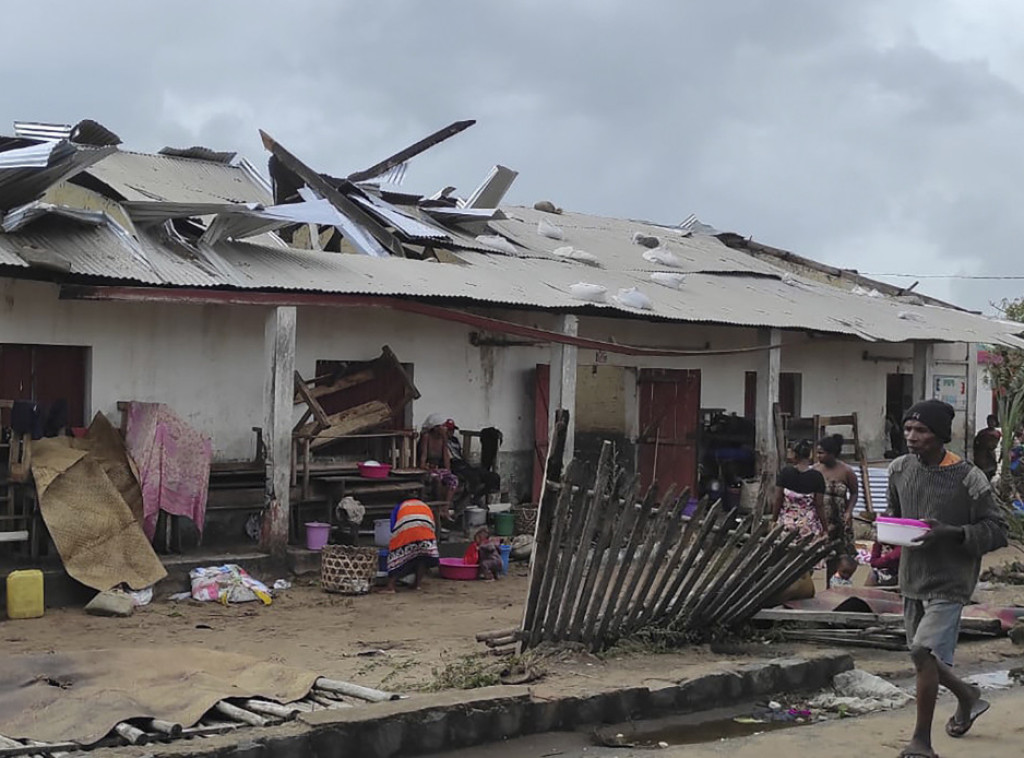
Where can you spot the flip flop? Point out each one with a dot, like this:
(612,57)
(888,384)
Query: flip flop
(956,728)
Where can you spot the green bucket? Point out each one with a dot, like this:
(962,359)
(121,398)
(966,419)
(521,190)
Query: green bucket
(504,524)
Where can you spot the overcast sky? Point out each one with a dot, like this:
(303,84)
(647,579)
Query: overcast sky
(881,135)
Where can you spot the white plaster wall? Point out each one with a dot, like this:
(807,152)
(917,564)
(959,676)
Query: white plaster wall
(207,362)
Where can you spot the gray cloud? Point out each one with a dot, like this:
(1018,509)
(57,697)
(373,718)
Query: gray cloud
(875,135)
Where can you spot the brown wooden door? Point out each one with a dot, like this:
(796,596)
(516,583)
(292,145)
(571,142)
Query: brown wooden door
(542,378)
(45,373)
(669,422)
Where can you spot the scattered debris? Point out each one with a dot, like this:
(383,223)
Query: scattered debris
(573,254)
(226,584)
(547,207)
(634,298)
(662,257)
(668,279)
(646,240)
(592,293)
(1016,634)
(858,692)
(496,242)
(549,230)
(111,603)
(1011,572)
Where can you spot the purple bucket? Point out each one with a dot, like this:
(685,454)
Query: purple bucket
(317,534)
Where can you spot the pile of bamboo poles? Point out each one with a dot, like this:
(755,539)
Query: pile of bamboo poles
(608,565)
(224,717)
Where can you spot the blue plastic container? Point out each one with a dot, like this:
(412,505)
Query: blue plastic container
(506,552)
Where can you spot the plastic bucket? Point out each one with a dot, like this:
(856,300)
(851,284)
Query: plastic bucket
(382,560)
(476,517)
(382,532)
(317,533)
(506,551)
(504,524)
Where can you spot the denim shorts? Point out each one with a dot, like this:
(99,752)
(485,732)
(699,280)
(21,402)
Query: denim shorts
(933,624)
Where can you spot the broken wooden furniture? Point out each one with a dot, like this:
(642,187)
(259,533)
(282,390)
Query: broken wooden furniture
(347,403)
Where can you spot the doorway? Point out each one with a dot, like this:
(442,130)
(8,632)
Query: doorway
(899,396)
(669,426)
(45,374)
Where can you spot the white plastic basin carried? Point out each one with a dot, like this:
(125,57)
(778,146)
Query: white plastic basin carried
(900,531)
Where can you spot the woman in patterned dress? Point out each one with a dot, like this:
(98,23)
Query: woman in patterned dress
(840,498)
(799,493)
(413,545)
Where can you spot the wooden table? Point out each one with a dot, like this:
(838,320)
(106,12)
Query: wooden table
(408,483)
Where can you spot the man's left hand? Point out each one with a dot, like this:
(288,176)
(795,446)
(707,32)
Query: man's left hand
(939,532)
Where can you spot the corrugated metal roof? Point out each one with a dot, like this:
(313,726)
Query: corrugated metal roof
(39,130)
(610,240)
(722,284)
(139,176)
(19,185)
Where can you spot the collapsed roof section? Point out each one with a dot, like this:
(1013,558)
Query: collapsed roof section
(76,208)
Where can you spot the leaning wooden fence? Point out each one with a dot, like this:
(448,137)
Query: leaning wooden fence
(609,565)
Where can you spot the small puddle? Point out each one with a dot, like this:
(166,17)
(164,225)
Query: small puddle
(998,680)
(707,731)
(718,725)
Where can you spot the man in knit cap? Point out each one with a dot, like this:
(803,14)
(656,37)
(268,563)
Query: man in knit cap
(938,576)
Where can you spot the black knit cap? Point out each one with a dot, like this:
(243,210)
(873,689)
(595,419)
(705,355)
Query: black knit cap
(936,415)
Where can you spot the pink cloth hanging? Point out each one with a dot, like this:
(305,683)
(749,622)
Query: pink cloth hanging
(173,462)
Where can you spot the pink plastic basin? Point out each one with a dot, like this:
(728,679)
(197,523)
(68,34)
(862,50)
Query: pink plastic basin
(379,471)
(454,568)
(900,531)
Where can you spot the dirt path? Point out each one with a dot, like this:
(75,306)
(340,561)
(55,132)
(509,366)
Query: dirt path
(998,734)
(418,632)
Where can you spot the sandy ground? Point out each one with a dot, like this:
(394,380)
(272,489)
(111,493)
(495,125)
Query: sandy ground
(400,641)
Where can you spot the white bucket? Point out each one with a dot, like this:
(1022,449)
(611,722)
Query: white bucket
(476,516)
(382,532)
(499,507)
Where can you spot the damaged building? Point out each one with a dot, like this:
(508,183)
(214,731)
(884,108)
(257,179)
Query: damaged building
(188,279)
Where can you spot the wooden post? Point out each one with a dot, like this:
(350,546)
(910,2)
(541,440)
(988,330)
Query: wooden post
(767,398)
(562,383)
(971,412)
(924,370)
(279,391)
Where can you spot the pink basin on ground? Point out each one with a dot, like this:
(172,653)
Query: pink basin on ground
(454,568)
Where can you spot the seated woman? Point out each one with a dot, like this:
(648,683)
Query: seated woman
(435,457)
(885,565)
(412,548)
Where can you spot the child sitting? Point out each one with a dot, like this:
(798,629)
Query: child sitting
(486,554)
(885,565)
(844,573)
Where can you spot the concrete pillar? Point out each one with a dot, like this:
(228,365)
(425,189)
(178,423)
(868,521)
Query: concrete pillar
(971,412)
(924,371)
(562,385)
(278,407)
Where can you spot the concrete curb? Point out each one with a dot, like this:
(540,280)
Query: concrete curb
(451,720)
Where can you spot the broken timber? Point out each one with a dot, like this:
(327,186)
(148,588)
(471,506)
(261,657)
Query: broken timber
(609,565)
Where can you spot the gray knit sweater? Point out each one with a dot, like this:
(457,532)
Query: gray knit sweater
(958,495)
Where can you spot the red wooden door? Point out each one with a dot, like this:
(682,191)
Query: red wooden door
(542,377)
(669,420)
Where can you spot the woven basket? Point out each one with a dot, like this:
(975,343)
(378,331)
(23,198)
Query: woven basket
(526,520)
(348,570)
